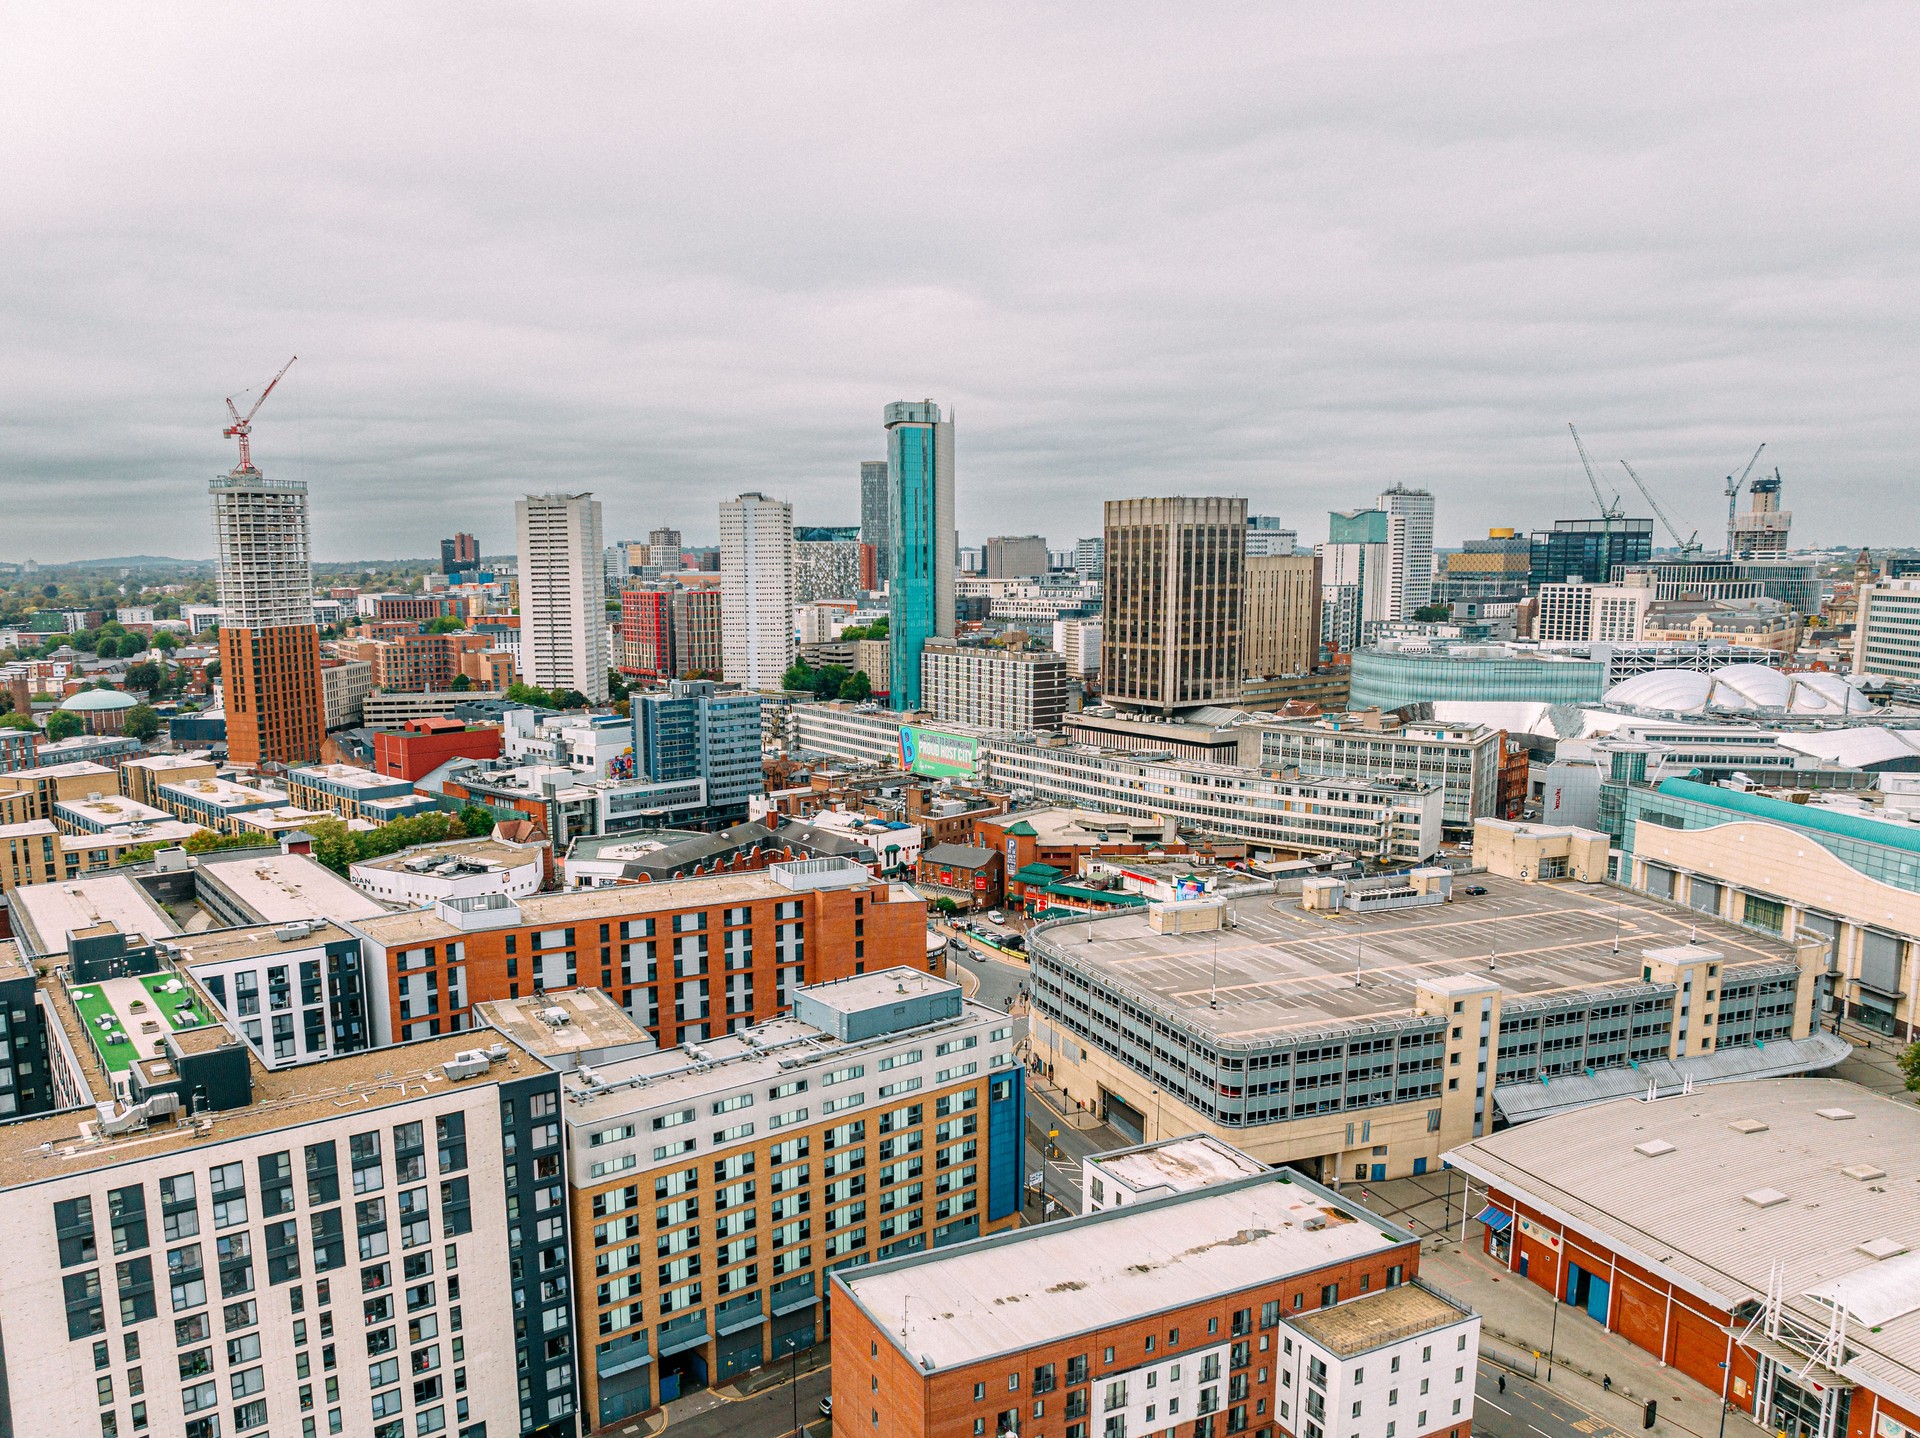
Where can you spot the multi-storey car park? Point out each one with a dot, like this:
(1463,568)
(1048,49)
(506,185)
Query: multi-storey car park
(1360,1029)
(716,1186)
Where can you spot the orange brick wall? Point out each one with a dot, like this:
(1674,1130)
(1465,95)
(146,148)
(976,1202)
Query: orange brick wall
(271,682)
(913,1404)
(890,934)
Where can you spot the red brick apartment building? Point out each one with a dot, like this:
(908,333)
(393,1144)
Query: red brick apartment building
(1266,1306)
(1753,1235)
(687,959)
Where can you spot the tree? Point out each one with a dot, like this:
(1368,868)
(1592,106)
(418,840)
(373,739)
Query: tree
(1433,613)
(106,646)
(523,693)
(461,684)
(146,676)
(569,699)
(945,905)
(1910,1066)
(476,821)
(141,722)
(829,679)
(166,640)
(11,720)
(132,642)
(858,687)
(445,624)
(798,676)
(63,724)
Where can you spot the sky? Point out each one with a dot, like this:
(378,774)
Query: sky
(672,252)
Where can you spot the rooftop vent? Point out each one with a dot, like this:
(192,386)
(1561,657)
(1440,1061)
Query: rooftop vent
(1835,1115)
(1747,1125)
(1653,1147)
(1765,1197)
(1882,1247)
(1863,1171)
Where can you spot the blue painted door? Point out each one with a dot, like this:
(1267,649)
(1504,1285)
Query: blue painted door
(1379,1173)
(1597,1291)
(1419,1166)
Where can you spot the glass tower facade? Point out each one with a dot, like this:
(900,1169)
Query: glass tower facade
(921,541)
(1589,549)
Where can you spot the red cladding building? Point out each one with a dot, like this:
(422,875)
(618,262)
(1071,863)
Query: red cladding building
(420,746)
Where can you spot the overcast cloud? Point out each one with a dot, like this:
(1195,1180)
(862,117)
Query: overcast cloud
(671,252)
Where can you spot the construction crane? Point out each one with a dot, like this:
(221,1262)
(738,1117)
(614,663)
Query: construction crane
(1608,512)
(1733,494)
(1689,546)
(240,429)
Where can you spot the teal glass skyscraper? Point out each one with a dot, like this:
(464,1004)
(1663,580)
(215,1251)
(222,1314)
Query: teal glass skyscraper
(922,542)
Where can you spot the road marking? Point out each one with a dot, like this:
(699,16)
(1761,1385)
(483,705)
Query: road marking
(1541,1431)
(1491,1404)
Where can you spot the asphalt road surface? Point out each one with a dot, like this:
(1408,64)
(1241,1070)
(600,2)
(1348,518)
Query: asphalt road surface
(1531,1410)
(766,1414)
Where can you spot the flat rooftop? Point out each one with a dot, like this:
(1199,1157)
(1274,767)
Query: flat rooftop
(1389,1316)
(861,992)
(110,811)
(46,913)
(254,941)
(224,793)
(13,963)
(589,905)
(350,776)
(574,1022)
(280,887)
(489,852)
(755,1055)
(1748,1164)
(47,1146)
(1282,968)
(1179,1165)
(1035,1285)
(127,1019)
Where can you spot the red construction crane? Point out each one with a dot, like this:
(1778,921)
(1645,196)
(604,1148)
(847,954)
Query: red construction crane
(241,428)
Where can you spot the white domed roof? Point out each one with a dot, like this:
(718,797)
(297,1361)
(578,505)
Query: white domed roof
(1738,689)
(95,701)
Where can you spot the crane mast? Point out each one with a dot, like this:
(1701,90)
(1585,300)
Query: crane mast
(1733,494)
(242,429)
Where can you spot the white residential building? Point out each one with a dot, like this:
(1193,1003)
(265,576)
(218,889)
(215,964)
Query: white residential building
(461,869)
(756,590)
(1078,642)
(1411,562)
(1400,1361)
(1581,613)
(563,622)
(1886,640)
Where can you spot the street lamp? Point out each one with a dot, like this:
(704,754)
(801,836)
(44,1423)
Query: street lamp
(1724,1405)
(793,1349)
(1553,1329)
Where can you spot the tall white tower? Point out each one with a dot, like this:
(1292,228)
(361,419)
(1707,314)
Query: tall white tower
(563,593)
(1411,561)
(756,590)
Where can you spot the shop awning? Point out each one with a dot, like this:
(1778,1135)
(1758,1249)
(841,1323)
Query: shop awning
(1493,1218)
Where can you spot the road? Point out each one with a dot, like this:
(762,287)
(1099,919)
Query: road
(766,1414)
(1000,984)
(1531,1410)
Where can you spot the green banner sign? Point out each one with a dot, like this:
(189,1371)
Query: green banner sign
(935,755)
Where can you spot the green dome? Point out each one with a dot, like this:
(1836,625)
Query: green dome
(98,701)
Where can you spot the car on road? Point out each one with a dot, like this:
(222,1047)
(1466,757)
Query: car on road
(826,1406)
(995,916)
(1474,889)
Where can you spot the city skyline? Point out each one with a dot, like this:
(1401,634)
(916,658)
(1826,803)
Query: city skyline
(1255,278)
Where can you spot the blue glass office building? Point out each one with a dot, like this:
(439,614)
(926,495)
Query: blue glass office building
(698,730)
(921,539)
